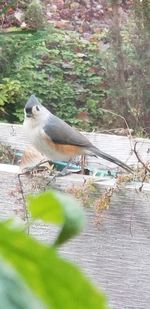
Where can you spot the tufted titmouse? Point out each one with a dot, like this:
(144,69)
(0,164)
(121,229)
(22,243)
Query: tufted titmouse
(55,138)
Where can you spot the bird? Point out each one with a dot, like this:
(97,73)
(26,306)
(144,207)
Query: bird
(56,139)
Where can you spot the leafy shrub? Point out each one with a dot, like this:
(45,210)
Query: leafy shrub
(34,15)
(11,91)
(72,75)
(65,71)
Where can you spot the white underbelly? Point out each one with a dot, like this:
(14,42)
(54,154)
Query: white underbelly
(36,137)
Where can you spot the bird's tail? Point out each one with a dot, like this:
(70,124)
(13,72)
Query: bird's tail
(110,158)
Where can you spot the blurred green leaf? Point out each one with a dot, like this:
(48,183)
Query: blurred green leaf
(58,283)
(55,207)
(14,294)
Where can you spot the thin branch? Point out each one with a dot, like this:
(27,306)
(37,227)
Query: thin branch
(27,170)
(125,121)
(24,202)
(143,180)
(139,159)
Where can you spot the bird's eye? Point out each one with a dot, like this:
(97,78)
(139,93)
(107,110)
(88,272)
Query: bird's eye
(37,108)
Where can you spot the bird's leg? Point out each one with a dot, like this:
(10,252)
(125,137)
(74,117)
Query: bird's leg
(82,164)
(64,170)
(60,173)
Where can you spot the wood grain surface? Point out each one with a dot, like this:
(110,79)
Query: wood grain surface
(118,146)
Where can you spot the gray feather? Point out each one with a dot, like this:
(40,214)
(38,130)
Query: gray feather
(32,102)
(110,158)
(61,133)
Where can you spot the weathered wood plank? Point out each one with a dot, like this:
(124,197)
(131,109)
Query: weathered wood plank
(115,253)
(118,146)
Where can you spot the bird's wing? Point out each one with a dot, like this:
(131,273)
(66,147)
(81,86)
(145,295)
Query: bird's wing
(61,133)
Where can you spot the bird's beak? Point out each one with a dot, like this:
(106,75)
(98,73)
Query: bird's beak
(28,113)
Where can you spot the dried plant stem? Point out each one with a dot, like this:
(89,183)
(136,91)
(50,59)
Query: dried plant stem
(125,121)
(139,159)
(26,217)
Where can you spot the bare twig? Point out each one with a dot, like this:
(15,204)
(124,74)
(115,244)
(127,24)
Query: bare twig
(143,180)
(24,202)
(139,159)
(146,169)
(126,123)
(30,169)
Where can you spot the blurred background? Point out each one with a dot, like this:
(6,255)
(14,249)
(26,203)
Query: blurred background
(87,61)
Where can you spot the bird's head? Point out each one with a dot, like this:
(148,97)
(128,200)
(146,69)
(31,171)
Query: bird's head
(35,112)
(32,107)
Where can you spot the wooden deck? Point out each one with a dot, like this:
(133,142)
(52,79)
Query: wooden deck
(114,253)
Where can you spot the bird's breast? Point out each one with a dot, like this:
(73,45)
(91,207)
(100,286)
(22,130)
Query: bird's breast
(44,144)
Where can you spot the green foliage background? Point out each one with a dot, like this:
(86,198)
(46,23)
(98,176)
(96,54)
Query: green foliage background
(65,71)
(70,74)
